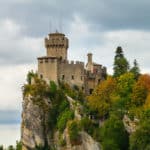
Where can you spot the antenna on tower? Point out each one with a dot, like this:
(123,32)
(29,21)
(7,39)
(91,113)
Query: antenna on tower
(50,26)
(60,22)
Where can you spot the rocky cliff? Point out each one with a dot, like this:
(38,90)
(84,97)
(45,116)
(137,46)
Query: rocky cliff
(36,132)
(34,129)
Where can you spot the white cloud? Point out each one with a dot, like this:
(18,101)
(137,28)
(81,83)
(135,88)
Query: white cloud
(135,44)
(82,40)
(16,47)
(12,79)
(18,55)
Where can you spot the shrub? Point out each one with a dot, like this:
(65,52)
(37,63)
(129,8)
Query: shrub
(114,135)
(11,147)
(53,88)
(87,125)
(73,130)
(64,105)
(63,118)
(18,145)
(140,140)
(62,141)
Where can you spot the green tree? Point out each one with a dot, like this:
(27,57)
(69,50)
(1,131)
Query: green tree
(140,140)
(18,145)
(135,69)
(11,147)
(73,130)
(63,118)
(1,147)
(125,84)
(121,64)
(114,135)
(30,75)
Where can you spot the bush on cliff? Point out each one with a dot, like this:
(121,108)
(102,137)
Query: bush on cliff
(63,118)
(114,135)
(73,130)
(140,140)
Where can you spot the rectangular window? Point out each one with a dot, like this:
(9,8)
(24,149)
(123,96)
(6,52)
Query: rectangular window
(72,77)
(46,60)
(63,77)
(41,76)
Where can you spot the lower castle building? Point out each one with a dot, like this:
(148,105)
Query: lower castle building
(56,67)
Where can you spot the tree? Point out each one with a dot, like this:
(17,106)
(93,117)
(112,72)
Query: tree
(121,64)
(141,91)
(1,147)
(102,97)
(11,147)
(139,94)
(18,145)
(140,140)
(73,130)
(30,75)
(135,69)
(125,84)
(113,134)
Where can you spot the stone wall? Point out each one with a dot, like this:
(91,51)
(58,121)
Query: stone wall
(57,45)
(48,68)
(71,73)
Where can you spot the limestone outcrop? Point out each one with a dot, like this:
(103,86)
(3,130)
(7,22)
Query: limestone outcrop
(34,129)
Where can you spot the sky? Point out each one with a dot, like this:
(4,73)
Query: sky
(96,26)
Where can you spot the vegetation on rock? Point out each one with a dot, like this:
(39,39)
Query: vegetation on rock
(126,93)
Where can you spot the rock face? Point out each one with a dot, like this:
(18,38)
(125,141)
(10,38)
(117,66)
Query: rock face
(33,125)
(35,131)
(130,125)
(87,143)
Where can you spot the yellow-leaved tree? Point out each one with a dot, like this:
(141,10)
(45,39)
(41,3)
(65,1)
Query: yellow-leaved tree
(103,96)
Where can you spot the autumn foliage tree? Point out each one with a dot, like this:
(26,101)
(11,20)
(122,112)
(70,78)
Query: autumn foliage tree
(141,91)
(102,97)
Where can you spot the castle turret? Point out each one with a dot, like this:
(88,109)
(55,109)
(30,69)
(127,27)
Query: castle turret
(57,45)
(89,66)
(89,57)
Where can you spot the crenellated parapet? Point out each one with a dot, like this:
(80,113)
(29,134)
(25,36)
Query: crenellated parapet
(57,45)
(56,40)
(55,66)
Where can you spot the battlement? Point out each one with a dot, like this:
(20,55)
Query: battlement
(55,66)
(57,40)
(47,59)
(71,62)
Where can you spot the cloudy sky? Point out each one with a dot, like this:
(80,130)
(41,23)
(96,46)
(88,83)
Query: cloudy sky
(96,26)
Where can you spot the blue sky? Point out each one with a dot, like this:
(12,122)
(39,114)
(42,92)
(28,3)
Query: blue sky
(96,26)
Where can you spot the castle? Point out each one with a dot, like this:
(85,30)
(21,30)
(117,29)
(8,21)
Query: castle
(56,67)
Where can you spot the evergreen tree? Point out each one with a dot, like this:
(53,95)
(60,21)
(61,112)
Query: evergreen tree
(135,69)
(121,64)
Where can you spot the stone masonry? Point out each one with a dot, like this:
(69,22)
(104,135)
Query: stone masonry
(56,67)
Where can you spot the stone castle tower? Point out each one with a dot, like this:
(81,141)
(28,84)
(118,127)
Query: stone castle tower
(56,67)
(57,45)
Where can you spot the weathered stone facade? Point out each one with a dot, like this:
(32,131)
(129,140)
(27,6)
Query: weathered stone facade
(56,67)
